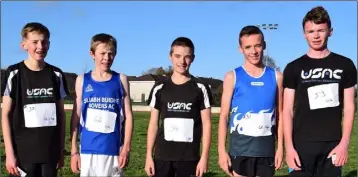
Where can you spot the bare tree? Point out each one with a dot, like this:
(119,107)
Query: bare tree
(169,70)
(150,71)
(159,71)
(269,61)
(85,68)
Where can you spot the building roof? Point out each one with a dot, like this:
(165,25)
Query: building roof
(214,83)
(147,77)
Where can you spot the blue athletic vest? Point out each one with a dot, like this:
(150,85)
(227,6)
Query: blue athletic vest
(103,96)
(252,122)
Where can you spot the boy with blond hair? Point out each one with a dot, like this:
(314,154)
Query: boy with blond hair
(33,117)
(101,114)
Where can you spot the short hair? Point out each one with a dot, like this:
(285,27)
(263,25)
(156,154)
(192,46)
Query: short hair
(103,38)
(250,30)
(184,42)
(317,15)
(35,27)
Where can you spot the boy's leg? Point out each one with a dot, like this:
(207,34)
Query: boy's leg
(113,166)
(30,169)
(307,153)
(325,167)
(265,166)
(185,168)
(99,165)
(86,164)
(163,168)
(243,166)
(48,170)
(104,165)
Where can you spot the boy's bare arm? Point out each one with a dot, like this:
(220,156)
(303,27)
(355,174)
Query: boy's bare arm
(6,108)
(128,114)
(206,120)
(76,114)
(279,110)
(62,117)
(152,131)
(348,117)
(228,88)
(287,112)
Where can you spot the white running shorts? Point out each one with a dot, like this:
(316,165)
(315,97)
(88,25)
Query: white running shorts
(100,165)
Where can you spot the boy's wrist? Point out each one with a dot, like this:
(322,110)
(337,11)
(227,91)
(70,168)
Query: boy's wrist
(125,148)
(74,154)
(149,154)
(204,157)
(74,151)
(9,152)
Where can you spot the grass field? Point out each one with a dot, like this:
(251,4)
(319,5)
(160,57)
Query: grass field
(137,156)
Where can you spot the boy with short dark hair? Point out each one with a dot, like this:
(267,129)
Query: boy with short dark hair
(252,104)
(183,104)
(318,87)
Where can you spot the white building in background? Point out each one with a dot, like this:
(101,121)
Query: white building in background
(140,90)
(140,87)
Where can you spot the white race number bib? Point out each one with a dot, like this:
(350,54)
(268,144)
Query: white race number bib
(100,121)
(40,115)
(178,129)
(323,96)
(256,124)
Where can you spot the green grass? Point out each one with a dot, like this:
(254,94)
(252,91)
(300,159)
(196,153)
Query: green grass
(137,156)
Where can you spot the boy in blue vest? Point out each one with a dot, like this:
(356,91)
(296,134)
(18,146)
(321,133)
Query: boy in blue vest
(102,115)
(253,93)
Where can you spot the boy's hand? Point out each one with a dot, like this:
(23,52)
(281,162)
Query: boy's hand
(292,159)
(123,158)
(341,155)
(278,158)
(225,163)
(149,166)
(202,167)
(11,164)
(75,163)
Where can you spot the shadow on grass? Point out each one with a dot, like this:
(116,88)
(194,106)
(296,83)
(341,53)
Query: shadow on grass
(66,153)
(352,173)
(210,174)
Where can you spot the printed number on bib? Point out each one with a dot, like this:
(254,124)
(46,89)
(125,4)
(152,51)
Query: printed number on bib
(40,115)
(323,96)
(100,121)
(178,129)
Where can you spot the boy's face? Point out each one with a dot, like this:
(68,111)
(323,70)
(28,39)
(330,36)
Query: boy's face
(103,57)
(36,45)
(181,58)
(252,47)
(317,35)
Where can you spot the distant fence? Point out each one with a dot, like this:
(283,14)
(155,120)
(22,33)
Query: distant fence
(140,108)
